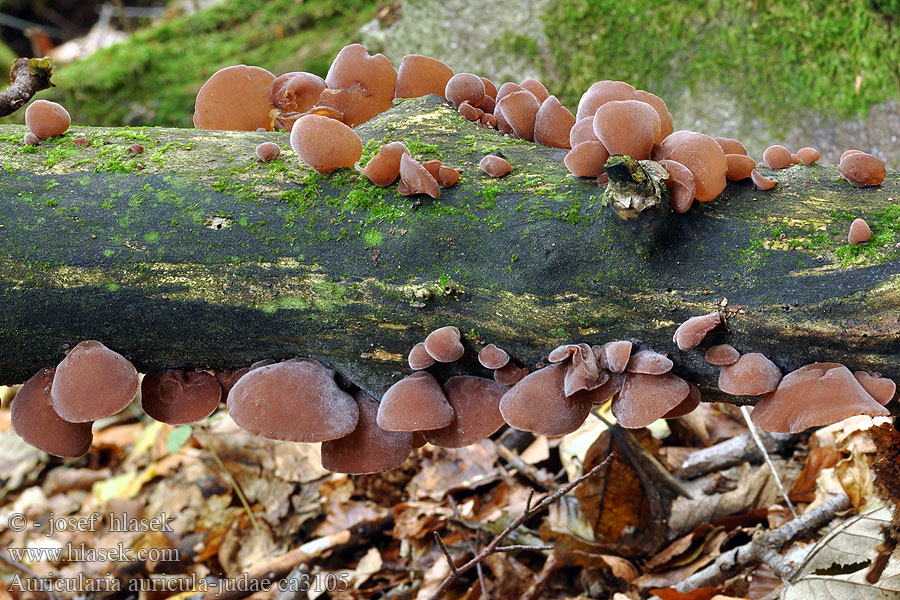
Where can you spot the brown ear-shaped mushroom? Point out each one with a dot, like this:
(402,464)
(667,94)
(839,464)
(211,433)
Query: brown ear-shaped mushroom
(739,166)
(469,112)
(295,401)
(368,80)
(416,178)
(648,362)
(296,92)
(731,146)
(666,125)
(587,159)
(464,87)
(444,344)
(600,93)
(687,406)
(236,98)
(36,422)
(415,403)
(879,387)
(267,151)
(325,144)
(421,75)
(447,177)
(752,375)
(583,372)
(777,157)
(553,123)
(680,185)
(47,119)
(812,396)
(369,448)
(508,88)
(645,398)
(762,182)
(495,166)
(228,378)
(419,358)
(384,168)
(722,355)
(476,408)
(859,232)
(537,88)
(490,89)
(538,403)
(582,131)
(492,357)
(510,374)
(808,155)
(862,170)
(702,155)
(180,397)
(627,127)
(433,167)
(520,111)
(690,333)
(613,356)
(92,382)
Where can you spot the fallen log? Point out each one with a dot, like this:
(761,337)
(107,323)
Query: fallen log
(194,253)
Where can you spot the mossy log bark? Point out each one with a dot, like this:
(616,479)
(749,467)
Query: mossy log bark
(193,253)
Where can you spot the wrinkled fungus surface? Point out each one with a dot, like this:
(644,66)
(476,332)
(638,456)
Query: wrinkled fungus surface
(236,98)
(92,382)
(415,403)
(296,401)
(812,396)
(179,397)
(369,448)
(37,423)
(476,408)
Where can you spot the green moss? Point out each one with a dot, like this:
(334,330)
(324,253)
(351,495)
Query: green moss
(151,78)
(373,238)
(672,45)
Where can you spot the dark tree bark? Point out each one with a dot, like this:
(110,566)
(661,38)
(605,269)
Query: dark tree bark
(195,254)
(27,77)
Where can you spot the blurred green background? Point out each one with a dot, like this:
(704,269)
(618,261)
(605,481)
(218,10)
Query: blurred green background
(773,69)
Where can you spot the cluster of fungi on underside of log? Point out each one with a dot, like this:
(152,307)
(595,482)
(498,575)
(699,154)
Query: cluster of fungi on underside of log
(301,400)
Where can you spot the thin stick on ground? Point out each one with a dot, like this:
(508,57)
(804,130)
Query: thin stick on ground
(762,448)
(765,547)
(494,545)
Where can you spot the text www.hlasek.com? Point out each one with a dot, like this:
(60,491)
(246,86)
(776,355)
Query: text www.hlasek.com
(83,553)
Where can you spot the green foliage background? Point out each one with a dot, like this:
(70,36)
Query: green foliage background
(830,55)
(803,54)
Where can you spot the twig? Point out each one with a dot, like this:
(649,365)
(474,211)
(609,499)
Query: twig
(765,547)
(234,484)
(553,564)
(27,77)
(443,547)
(762,448)
(473,547)
(525,470)
(525,547)
(282,565)
(492,547)
(733,451)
